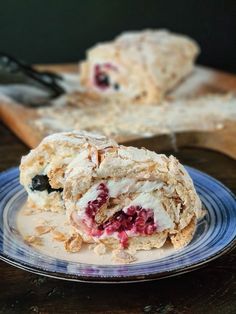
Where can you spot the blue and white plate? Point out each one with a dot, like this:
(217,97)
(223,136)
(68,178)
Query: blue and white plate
(215,235)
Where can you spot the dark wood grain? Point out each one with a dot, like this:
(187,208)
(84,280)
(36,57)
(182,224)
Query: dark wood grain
(211,289)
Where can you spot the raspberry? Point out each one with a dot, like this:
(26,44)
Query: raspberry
(124,240)
(131,210)
(94,205)
(96,233)
(136,218)
(101,76)
(101,79)
(150,229)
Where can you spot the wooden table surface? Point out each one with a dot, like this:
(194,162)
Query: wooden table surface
(211,289)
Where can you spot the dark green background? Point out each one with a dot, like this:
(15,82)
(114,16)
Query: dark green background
(60,31)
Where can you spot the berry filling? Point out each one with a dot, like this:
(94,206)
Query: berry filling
(102,198)
(101,80)
(41,183)
(136,219)
(101,76)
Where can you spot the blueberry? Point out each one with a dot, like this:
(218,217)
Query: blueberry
(116,86)
(40,183)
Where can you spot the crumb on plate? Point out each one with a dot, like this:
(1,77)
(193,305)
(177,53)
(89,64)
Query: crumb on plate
(59,236)
(122,257)
(40,230)
(33,240)
(100,249)
(74,243)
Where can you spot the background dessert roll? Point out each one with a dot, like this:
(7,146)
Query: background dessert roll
(131,198)
(42,171)
(138,67)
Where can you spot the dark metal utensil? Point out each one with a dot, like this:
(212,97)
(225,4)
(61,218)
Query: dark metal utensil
(24,84)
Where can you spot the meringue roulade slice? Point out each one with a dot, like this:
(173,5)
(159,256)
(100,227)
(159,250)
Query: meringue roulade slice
(131,198)
(42,171)
(138,67)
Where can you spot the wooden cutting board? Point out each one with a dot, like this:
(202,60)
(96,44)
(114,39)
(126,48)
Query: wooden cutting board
(205,80)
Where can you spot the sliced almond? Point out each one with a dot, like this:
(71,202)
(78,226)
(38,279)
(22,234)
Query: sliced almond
(152,168)
(114,201)
(74,243)
(78,196)
(100,249)
(91,246)
(101,157)
(101,216)
(42,229)
(55,175)
(123,257)
(59,236)
(33,240)
(94,156)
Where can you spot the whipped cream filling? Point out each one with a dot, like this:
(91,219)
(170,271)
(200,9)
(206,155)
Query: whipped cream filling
(128,185)
(42,198)
(116,188)
(90,195)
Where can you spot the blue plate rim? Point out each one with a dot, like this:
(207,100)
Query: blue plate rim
(127,278)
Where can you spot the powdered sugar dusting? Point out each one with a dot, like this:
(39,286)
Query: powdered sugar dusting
(127,120)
